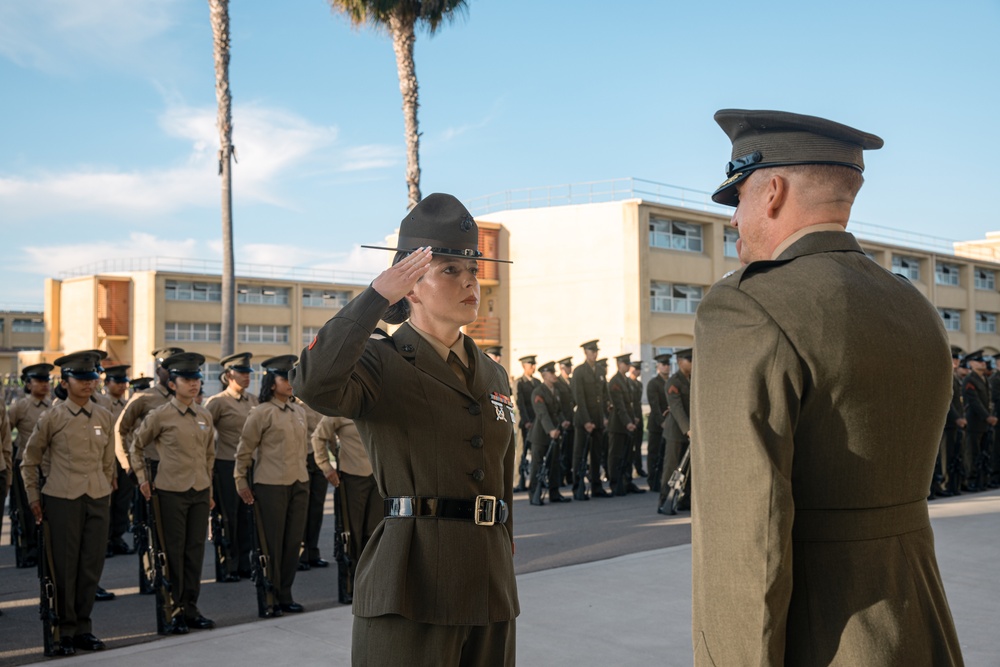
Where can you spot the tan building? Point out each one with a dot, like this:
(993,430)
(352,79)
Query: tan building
(632,271)
(20,330)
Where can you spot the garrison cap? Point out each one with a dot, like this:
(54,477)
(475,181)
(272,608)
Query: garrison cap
(443,223)
(662,358)
(80,365)
(185,365)
(279,365)
(683,354)
(37,371)
(624,358)
(118,373)
(590,345)
(495,350)
(547,367)
(239,362)
(165,352)
(568,361)
(527,359)
(140,384)
(778,138)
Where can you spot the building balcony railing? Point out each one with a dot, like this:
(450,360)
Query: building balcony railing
(485,330)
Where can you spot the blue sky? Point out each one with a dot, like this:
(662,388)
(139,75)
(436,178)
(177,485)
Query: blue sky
(108,140)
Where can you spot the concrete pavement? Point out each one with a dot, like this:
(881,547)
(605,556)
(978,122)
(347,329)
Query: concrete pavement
(628,610)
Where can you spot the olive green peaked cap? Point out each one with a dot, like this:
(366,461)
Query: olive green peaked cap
(778,138)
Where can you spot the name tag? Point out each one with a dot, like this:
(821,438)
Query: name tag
(202,425)
(97,430)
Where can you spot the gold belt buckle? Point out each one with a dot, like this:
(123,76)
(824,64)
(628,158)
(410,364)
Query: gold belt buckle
(482,503)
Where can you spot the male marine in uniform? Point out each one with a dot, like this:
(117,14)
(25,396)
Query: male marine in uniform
(565,391)
(621,426)
(979,413)
(526,413)
(811,543)
(656,396)
(589,423)
(677,428)
(548,426)
(635,375)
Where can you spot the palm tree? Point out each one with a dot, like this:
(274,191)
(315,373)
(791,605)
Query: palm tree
(219,12)
(400,18)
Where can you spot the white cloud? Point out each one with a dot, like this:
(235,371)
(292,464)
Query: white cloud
(56,35)
(271,145)
(125,254)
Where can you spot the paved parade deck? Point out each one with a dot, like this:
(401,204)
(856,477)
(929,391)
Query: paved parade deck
(628,610)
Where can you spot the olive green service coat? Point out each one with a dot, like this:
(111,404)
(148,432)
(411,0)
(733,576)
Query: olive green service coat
(428,435)
(811,543)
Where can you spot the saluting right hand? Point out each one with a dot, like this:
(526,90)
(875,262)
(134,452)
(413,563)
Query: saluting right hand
(399,279)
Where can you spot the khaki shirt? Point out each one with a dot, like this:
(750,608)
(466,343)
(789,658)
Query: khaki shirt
(312,417)
(23,415)
(140,405)
(340,431)
(276,432)
(6,448)
(229,411)
(116,406)
(185,439)
(79,450)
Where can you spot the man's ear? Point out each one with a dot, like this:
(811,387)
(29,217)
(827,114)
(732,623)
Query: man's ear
(776,193)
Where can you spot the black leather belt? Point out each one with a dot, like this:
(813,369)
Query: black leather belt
(484,510)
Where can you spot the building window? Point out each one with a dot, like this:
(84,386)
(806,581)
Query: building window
(946,274)
(870,255)
(952,319)
(985,279)
(33,325)
(269,296)
(670,298)
(729,238)
(674,235)
(308,333)
(909,267)
(186,290)
(986,323)
(325,298)
(262,333)
(2,324)
(194,331)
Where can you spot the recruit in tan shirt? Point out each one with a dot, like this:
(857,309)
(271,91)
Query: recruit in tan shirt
(78,448)
(229,410)
(276,432)
(135,411)
(353,459)
(23,415)
(185,440)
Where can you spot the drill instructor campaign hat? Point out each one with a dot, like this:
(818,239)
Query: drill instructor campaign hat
(442,223)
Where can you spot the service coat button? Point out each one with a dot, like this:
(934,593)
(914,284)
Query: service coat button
(478,474)
(476,442)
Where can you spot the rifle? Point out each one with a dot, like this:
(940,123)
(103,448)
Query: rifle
(983,474)
(524,468)
(956,462)
(48,607)
(542,481)
(677,485)
(261,564)
(220,534)
(19,517)
(157,559)
(141,533)
(580,483)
